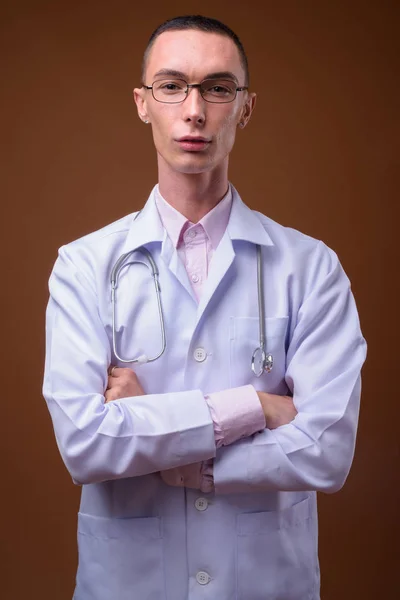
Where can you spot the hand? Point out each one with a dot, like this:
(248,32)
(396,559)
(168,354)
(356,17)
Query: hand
(278,410)
(123,383)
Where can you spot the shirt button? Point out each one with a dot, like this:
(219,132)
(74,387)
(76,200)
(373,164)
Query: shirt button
(195,278)
(191,234)
(201,504)
(200,354)
(202,578)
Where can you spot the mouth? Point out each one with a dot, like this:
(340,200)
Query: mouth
(193,143)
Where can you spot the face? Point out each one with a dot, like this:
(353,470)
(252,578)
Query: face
(195,55)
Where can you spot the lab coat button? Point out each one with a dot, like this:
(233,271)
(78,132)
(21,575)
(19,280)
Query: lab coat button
(200,354)
(201,504)
(202,578)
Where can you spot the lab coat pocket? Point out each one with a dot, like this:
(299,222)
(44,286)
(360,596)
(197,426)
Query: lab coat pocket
(277,554)
(244,339)
(120,559)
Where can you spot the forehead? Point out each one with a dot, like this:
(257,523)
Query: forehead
(194,53)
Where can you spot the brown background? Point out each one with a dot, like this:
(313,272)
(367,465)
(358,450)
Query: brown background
(320,155)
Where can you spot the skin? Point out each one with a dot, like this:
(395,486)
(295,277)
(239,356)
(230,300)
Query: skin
(194,182)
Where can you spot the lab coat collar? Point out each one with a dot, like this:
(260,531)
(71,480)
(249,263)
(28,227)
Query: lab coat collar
(243,225)
(146,226)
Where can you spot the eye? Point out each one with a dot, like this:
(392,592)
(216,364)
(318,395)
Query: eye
(170,86)
(219,89)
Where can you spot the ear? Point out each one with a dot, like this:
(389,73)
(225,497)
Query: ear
(247,110)
(141,104)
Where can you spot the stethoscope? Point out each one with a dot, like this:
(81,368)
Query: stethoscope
(261,360)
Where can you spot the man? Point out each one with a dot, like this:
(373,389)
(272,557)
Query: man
(199,464)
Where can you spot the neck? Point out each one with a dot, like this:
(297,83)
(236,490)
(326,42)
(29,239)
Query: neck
(193,194)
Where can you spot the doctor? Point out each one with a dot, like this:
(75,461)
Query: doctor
(199,478)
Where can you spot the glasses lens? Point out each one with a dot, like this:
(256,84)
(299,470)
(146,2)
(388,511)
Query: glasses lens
(218,90)
(169,90)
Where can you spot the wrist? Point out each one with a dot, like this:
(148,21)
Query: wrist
(265,401)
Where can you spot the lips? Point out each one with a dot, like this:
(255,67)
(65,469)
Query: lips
(193,143)
(190,138)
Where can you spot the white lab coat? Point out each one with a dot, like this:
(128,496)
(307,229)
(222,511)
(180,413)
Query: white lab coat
(255,538)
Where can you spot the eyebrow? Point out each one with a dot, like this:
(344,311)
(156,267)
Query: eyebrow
(180,75)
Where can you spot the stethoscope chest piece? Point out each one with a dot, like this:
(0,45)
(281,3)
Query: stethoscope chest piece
(261,361)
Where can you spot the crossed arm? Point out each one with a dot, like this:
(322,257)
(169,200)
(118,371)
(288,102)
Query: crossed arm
(137,435)
(278,410)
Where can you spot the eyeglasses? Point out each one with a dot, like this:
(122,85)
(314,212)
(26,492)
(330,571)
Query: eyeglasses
(173,91)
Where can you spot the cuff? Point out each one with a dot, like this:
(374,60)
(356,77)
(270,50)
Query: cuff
(236,413)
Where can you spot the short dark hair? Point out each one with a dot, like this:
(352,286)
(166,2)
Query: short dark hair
(202,24)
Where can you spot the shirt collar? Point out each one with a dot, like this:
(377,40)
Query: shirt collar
(214,222)
(172,220)
(244,224)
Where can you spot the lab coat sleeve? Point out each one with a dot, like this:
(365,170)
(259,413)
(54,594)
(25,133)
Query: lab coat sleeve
(126,438)
(324,359)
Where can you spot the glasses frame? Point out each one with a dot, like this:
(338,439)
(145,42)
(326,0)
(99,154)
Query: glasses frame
(195,85)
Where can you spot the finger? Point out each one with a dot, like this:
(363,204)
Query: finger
(109,396)
(124,372)
(114,371)
(111,381)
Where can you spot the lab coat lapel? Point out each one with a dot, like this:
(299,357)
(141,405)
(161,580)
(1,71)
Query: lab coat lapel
(243,225)
(171,258)
(146,229)
(220,263)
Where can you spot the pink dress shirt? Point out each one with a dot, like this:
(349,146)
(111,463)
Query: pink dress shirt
(237,412)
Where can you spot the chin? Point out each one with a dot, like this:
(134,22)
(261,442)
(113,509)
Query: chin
(193,165)
(189,163)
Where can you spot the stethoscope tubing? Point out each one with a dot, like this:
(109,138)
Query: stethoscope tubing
(261,305)
(258,366)
(121,262)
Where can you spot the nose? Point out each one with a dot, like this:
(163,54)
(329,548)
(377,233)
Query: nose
(194,107)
